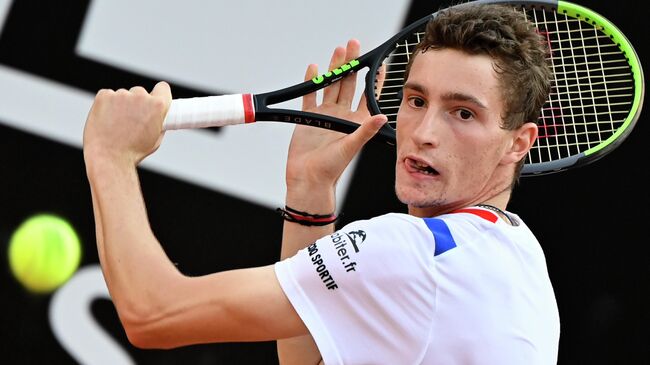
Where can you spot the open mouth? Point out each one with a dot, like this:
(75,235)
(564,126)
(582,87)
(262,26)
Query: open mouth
(420,167)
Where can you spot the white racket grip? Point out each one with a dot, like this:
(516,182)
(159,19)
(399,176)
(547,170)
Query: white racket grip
(209,111)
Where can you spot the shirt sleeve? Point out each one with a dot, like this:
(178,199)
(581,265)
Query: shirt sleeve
(366,292)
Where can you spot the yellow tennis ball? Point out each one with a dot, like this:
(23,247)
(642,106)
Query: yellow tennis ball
(44,252)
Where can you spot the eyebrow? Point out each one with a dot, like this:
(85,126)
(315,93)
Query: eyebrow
(457,96)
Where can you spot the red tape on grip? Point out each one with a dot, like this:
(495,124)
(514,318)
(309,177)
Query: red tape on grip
(249,111)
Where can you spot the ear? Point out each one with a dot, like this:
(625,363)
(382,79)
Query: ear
(522,141)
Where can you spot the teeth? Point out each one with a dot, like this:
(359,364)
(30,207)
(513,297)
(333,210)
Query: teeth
(422,167)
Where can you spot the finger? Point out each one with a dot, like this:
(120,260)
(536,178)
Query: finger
(138,90)
(357,139)
(103,94)
(331,93)
(309,100)
(101,98)
(122,91)
(349,83)
(380,77)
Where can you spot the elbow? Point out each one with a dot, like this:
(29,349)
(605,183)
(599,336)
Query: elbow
(135,322)
(146,326)
(143,338)
(148,316)
(139,338)
(145,332)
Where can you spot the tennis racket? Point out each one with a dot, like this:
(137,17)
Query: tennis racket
(596,99)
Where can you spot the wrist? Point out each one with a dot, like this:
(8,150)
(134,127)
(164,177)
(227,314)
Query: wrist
(319,200)
(305,218)
(103,165)
(99,156)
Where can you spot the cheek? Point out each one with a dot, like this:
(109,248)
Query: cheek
(402,128)
(476,164)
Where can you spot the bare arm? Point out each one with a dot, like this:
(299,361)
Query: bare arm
(316,160)
(158,306)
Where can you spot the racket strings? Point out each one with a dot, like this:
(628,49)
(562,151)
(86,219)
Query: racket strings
(552,111)
(396,63)
(592,87)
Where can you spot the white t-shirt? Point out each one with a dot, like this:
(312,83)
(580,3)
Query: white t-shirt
(460,288)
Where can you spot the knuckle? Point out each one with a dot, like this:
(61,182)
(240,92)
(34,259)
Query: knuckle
(158,103)
(137,90)
(102,93)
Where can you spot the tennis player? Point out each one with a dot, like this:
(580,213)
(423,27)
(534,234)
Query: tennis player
(458,280)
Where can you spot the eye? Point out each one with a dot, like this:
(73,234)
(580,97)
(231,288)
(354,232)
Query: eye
(416,102)
(464,114)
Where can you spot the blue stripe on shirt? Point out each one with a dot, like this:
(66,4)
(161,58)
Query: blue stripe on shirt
(442,235)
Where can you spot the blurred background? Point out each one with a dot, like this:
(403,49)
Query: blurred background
(211,194)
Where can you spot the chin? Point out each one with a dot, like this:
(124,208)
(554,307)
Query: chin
(415,198)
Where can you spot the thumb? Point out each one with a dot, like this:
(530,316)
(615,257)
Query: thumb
(164,92)
(162,89)
(364,133)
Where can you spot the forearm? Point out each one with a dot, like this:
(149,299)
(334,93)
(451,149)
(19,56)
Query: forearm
(317,158)
(132,260)
(314,200)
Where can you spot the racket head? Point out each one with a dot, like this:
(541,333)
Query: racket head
(598,83)
(598,90)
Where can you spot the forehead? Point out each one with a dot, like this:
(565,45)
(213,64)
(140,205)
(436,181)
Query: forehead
(445,71)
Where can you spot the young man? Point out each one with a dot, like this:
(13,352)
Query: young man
(457,280)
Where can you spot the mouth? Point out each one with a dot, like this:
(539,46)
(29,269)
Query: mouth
(419,167)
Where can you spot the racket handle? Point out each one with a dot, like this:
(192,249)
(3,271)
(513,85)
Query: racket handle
(210,111)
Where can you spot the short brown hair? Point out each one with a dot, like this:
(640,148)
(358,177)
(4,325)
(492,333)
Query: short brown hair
(518,51)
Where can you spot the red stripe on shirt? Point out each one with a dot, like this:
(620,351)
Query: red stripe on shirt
(479,212)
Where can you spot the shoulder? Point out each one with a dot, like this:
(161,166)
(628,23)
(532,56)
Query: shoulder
(391,232)
(470,225)
(426,236)
(390,225)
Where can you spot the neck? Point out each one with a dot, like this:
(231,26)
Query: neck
(500,200)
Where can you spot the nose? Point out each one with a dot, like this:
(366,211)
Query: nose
(426,130)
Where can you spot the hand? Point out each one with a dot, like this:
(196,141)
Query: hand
(126,125)
(317,157)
